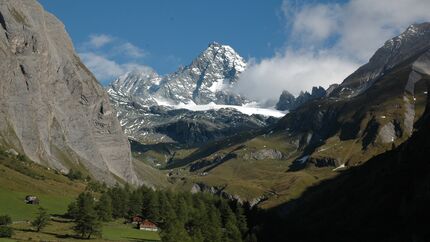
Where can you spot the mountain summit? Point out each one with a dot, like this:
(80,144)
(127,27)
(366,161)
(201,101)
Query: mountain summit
(207,79)
(414,41)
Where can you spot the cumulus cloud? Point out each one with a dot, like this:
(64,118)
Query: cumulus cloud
(293,71)
(106,69)
(109,57)
(327,42)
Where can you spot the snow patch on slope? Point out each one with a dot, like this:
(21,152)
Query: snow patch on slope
(248,109)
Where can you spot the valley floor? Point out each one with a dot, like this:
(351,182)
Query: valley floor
(61,229)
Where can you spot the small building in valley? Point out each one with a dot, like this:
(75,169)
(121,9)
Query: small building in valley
(137,219)
(30,199)
(148,225)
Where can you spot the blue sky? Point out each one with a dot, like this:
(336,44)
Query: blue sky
(289,44)
(172,33)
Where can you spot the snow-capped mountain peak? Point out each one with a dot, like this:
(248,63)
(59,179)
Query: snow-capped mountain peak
(411,34)
(225,54)
(207,79)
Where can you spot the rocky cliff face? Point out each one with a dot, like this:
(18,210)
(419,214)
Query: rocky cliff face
(52,108)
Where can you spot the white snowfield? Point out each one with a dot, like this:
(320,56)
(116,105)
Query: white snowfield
(248,109)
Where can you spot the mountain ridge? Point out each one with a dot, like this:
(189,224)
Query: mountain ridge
(414,39)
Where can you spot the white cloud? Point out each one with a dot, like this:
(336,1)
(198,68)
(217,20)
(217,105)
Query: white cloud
(327,42)
(364,25)
(315,23)
(99,40)
(106,69)
(130,50)
(109,57)
(360,26)
(294,71)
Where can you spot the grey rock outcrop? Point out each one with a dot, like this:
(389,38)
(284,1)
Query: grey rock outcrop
(52,108)
(264,154)
(288,102)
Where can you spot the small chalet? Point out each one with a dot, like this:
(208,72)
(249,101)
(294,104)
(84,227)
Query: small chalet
(30,199)
(137,219)
(148,226)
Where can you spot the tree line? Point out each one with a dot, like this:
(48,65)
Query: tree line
(181,216)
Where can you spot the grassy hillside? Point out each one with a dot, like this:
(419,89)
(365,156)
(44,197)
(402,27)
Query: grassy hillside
(12,203)
(268,180)
(20,177)
(151,176)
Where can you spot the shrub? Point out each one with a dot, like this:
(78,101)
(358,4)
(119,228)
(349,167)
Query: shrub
(5,232)
(5,220)
(75,175)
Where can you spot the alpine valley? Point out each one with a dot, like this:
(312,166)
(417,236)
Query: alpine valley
(188,153)
(193,124)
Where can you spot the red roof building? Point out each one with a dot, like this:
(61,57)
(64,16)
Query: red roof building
(148,226)
(137,219)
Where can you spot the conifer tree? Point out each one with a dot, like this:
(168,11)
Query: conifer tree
(119,198)
(87,223)
(104,208)
(72,210)
(42,219)
(151,208)
(135,203)
(240,218)
(174,232)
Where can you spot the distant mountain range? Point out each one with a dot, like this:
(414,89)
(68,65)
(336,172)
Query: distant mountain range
(198,100)
(200,90)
